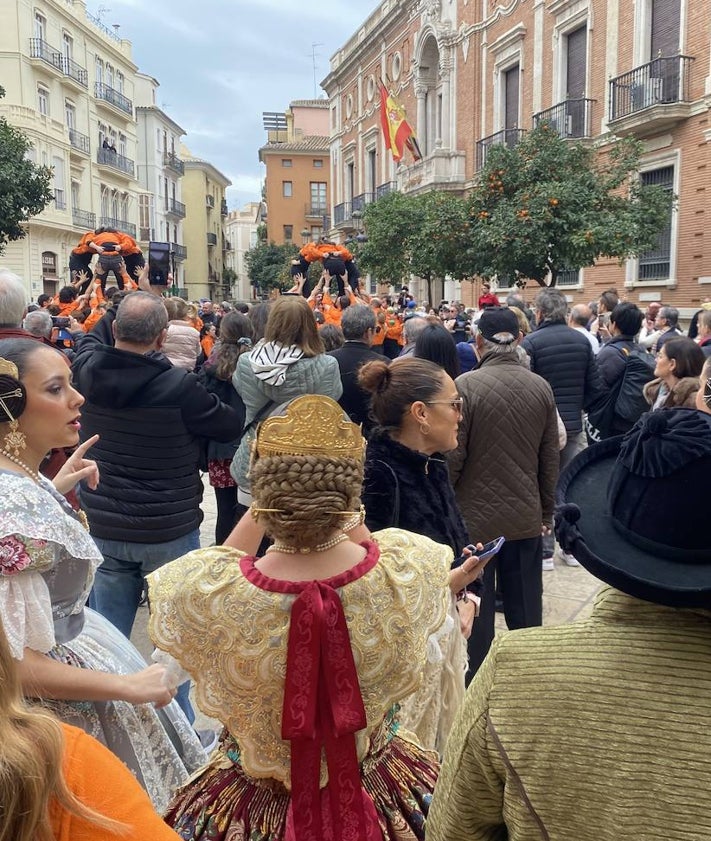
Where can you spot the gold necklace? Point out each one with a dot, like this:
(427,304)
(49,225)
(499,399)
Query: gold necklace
(305,550)
(20,463)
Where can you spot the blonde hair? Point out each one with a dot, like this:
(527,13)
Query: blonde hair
(303,489)
(31,755)
(523,324)
(291,322)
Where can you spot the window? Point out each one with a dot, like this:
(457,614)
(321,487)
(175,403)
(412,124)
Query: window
(67,46)
(288,233)
(99,69)
(43,100)
(318,197)
(664,35)
(124,207)
(318,163)
(40,26)
(316,232)
(511,96)
(145,216)
(122,144)
(350,181)
(371,172)
(119,81)
(287,189)
(70,114)
(76,187)
(286,162)
(58,170)
(109,76)
(655,264)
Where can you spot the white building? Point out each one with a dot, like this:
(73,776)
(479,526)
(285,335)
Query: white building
(241,235)
(159,169)
(69,83)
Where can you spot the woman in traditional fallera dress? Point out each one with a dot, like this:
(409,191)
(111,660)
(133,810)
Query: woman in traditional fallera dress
(304,654)
(70,657)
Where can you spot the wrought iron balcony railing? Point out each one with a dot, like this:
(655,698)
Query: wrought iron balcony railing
(79,141)
(75,71)
(176,208)
(83,218)
(47,53)
(120,225)
(342,213)
(172,161)
(180,252)
(662,81)
(211,239)
(108,157)
(508,137)
(571,118)
(113,97)
(359,202)
(384,189)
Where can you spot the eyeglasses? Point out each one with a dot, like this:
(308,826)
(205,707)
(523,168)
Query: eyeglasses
(456,403)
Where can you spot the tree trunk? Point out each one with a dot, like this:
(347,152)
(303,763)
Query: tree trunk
(429,291)
(554,276)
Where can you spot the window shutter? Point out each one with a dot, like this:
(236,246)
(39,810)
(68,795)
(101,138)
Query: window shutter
(511,84)
(576,62)
(665,28)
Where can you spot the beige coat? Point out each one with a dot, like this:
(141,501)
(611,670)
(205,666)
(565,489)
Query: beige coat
(182,344)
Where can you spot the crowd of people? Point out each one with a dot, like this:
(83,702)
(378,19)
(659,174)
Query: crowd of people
(364,453)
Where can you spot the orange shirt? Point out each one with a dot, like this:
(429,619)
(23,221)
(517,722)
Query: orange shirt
(128,244)
(312,251)
(207,343)
(102,782)
(380,318)
(83,247)
(393,328)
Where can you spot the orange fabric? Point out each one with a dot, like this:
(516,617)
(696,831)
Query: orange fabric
(93,318)
(207,343)
(106,237)
(393,329)
(379,336)
(128,244)
(83,246)
(196,323)
(65,310)
(331,313)
(313,252)
(102,782)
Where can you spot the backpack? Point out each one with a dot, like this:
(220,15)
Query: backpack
(625,402)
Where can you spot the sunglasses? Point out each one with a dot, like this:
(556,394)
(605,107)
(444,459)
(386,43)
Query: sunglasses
(456,403)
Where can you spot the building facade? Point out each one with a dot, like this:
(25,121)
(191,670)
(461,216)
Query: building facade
(475,74)
(241,235)
(203,192)
(69,83)
(296,157)
(159,170)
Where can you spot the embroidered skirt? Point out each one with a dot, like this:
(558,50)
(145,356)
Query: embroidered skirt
(223,803)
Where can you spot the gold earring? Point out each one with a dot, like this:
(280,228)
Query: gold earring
(14,440)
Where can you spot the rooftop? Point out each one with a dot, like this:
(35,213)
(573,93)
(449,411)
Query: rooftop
(314,143)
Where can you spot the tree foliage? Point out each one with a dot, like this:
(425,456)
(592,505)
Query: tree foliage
(269,264)
(423,235)
(24,186)
(548,205)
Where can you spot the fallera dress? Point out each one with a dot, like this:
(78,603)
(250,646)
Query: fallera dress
(47,564)
(307,678)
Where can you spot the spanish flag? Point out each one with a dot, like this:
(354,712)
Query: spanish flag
(397,131)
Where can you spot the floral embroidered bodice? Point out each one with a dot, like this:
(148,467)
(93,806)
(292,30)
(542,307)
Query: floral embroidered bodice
(228,625)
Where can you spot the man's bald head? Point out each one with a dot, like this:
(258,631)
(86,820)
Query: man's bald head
(140,320)
(580,315)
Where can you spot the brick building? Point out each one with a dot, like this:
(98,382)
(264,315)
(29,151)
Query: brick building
(471,75)
(297,172)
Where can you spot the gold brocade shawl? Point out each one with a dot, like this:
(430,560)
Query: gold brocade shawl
(231,636)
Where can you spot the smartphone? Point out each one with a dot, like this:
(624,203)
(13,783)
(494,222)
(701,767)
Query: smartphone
(158,263)
(489,549)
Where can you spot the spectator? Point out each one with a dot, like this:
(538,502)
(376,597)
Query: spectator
(208,336)
(44,300)
(289,361)
(182,341)
(207,312)
(393,342)
(625,323)
(332,336)
(358,326)
(649,333)
(411,329)
(258,315)
(216,375)
(599,327)
(667,323)
(436,344)
(679,365)
(578,319)
(487,297)
(693,331)
(151,416)
(564,358)
(704,332)
(515,299)
(38,324)
(569,715)
(504,472)
(703,395)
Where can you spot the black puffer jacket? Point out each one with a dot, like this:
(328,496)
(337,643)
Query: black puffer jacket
(227,394)
(564,357)
(611,359)
(149,416)
(427,503)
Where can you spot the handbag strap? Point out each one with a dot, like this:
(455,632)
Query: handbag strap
(396,509)
(266,408)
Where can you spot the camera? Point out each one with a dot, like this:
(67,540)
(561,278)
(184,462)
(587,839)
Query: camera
(61,321)
(158,263)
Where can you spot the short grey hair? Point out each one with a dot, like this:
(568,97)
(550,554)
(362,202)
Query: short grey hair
(552,305)
(38,324)
(356,320)
(671,314)
(413,326)
(140,319)
(497,349)
(13,299)
(580,315)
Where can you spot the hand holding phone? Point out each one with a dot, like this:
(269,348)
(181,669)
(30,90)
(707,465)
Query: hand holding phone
(487,551)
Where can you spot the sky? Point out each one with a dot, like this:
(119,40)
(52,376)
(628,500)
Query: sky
(221,63)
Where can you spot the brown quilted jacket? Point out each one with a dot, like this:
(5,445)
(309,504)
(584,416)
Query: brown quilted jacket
(505,467)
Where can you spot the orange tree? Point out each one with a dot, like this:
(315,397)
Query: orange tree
(422,235)
(547,205)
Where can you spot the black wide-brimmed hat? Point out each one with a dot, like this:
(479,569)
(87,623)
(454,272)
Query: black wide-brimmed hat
(635,512)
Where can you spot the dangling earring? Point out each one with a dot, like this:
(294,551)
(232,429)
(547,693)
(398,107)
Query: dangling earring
(14,440)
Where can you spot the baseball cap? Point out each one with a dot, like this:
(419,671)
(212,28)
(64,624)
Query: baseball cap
(411,305)
(499,325)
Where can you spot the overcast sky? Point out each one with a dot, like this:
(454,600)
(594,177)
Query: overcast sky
(221,63)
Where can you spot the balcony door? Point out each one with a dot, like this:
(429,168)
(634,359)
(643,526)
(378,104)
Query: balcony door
(664,49)
(511,99)
(576,70)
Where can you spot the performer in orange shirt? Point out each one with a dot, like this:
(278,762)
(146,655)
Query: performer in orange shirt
(107,244)
(80,259)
